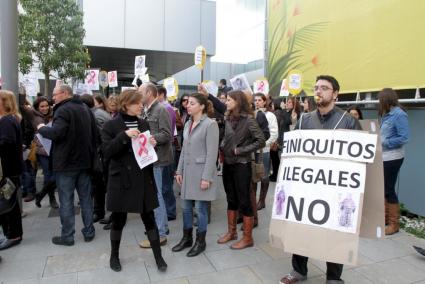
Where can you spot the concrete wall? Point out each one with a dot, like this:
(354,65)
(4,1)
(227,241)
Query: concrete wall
(165,25)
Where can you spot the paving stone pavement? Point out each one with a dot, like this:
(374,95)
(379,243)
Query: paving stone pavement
(37,260)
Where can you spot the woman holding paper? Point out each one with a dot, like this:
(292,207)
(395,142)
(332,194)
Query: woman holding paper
(242,138)
(197,172)
(43,114)
(130,189)
(394,134)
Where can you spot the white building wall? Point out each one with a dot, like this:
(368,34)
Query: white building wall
(163,25)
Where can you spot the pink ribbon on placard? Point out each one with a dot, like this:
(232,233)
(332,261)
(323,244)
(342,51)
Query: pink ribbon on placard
(261,87)
(112,77)
(92,77)
(142,142)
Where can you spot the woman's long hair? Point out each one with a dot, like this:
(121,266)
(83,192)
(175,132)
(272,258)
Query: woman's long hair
(9,104)
(388,98)
(243,107)
(296,105)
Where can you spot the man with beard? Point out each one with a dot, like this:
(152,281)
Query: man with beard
(327,116)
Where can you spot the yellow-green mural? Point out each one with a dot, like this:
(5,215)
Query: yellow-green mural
(366,45)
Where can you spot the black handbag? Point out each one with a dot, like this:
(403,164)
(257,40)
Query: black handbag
(8,193)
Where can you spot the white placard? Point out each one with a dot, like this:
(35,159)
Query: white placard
(46,143)
(318,193)
(284,92)
(261,86)
(92,79)
(30,82)
(81,89)
(143,151)
(338,144)
(295,81)
(211,87)
(240,82)
(113,79)
(144,78)
(170,84)
(139,65)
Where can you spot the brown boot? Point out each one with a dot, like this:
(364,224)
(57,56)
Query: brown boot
(246,241)
(263,193)
(231,228)
(386,212)
(253,196)
(393,219)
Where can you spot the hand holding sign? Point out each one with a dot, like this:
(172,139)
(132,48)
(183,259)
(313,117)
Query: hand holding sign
(143,147)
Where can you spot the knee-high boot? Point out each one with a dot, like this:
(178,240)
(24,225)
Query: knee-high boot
(231,228)
(153,237)
(393,219)
(246,241)
(263,193)
(114,261)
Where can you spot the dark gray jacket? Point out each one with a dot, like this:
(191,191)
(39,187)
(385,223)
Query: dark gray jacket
(246,138)
(160,127)
(336,118)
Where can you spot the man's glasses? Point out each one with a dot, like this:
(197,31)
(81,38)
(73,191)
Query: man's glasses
(322,88)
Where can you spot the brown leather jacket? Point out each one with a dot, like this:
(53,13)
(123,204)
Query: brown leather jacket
(246,138)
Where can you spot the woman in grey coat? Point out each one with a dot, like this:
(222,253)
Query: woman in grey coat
(197,172)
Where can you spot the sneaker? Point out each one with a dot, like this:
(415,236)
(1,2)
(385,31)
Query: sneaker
(88,239)
(60,242)
(147,244)
(292,277)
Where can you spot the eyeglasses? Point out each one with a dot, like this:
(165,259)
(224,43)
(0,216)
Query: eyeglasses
(322,88)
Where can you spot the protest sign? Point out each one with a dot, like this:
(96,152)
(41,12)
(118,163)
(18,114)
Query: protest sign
(103,79)
(112,79)
(295,82)
(143,151)
(92,79)
(318,202)
(172,87)
(240,83)
(284,92)
(200,57)
(261,86)
(81,89)
(211,87)
(139,65)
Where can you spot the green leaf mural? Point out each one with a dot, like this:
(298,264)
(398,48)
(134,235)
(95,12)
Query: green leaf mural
(286,45)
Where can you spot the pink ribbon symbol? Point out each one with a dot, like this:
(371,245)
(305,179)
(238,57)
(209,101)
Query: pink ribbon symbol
(112,77)
(261,87)
(142,142)
(92,77)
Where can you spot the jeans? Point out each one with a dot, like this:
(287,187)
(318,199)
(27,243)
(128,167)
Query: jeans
(160,212)
(28,178)
(167,191)
(66,183)
(391,170)
(201,208)
(47,173)
(266,163)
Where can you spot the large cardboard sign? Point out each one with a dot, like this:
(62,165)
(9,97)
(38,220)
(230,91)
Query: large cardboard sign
(140,65)
(143,151)
(261,86)
(318,202)
(240,83)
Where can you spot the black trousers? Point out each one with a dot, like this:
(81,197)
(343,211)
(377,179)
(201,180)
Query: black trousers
(99,193)
(333,270)
(120,218)
(391,169)
(237,182)
(11,221)
(274,156)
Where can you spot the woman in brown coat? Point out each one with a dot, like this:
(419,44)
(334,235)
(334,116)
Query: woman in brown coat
(129,189)
(242,138)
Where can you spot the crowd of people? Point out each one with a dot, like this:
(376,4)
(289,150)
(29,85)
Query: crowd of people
(202,136)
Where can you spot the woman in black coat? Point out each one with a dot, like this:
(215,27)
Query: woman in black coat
(12,165)
(129,189)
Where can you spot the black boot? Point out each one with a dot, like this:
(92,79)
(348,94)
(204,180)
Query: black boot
(52,199)
(153,237)
(114,261)
(185,242)
(40,195)
(199,245)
